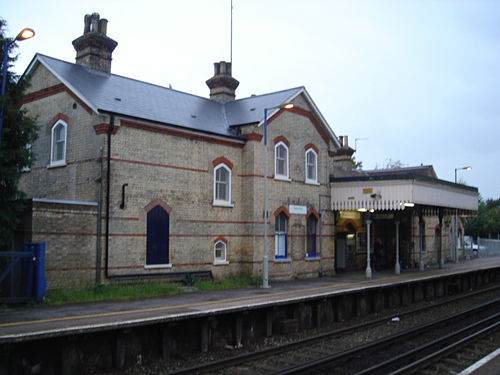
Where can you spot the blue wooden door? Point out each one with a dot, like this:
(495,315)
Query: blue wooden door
(157,236)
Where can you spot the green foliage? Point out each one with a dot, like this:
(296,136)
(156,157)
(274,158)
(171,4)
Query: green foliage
(19,131)
(391,164)
(356,164)
(104,292)
(487,221)
(190,280)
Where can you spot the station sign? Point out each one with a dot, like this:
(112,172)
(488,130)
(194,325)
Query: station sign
(297,210)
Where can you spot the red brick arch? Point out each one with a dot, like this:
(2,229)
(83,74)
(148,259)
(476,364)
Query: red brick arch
(281,209)
(222,159)
(313,212)
(158,202)
(282,139)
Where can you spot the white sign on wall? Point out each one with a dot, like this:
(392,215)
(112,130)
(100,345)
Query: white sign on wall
(297,210)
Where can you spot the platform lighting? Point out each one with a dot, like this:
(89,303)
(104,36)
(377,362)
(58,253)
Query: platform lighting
(409,204)
(468,168)
(265,262)
(455,218)
(24,34)
(362,209)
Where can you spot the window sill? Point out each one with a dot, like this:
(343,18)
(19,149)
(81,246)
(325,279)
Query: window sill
(221,263)
(157,266)
(282,178)
(56,165)
(312,258)
(222,204)
(282,260)
(310,182)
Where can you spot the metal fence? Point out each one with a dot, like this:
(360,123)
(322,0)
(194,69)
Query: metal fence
(488,247)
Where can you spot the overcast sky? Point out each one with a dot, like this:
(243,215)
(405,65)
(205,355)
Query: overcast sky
(420,80)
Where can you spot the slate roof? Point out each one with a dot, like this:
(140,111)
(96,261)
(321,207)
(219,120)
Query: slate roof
(105,92)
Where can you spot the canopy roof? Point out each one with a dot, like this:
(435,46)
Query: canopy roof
(397,192)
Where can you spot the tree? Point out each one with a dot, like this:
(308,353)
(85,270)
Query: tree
(19,132)
(487,221)
(391,164)
(356,164)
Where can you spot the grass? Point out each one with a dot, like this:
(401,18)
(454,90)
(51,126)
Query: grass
(228,283)
(109,292)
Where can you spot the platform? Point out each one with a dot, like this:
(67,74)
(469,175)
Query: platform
(18,324)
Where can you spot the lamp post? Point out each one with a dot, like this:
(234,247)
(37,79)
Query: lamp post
(468,168)
(23,35)
(455,219)
(265,258)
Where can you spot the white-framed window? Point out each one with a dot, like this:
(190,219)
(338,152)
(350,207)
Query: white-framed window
(58,143)
(222,185)
(220,251)
(311,166)
(281,236)
(281,161)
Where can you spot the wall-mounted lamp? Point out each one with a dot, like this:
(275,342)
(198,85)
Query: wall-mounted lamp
(122,205)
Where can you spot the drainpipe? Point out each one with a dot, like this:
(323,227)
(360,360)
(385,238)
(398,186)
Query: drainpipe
(108,191)
(99,221)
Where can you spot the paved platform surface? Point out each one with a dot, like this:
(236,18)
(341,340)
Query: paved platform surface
(25,323)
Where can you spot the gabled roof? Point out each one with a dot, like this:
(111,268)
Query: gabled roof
(111,93)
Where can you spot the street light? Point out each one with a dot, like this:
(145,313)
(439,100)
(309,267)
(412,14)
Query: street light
(455,219)
(468,168)
(265,264)
(23,35)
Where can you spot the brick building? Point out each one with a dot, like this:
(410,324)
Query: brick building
(134,180)
(185,174)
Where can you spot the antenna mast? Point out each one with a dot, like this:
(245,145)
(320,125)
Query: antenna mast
(231,46)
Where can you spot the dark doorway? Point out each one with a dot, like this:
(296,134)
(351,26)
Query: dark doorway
(345,249)
(157,236)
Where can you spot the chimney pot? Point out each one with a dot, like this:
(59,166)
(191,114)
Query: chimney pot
(94,49)
(222,85)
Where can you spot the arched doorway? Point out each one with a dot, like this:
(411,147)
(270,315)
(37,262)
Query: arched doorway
(157,236)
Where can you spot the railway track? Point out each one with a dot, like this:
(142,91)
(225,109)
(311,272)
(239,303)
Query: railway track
(321,354)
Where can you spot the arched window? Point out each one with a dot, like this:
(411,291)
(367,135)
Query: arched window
(58,143)
(222,185)
(312,224)
(220,248)
(281,161)
(281,236)
(311,166)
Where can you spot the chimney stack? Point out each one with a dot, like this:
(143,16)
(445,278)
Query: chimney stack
(94,48)
(222,85)
(342,157)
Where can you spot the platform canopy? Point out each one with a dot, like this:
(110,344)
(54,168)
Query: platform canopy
(400,192)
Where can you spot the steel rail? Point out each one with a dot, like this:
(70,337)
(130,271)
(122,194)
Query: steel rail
(437,345)
(451,347)
(224,363)
(344,355)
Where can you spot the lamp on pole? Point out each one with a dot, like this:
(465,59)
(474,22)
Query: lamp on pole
(455,219)
(265,258)
(468,168)
(23,35)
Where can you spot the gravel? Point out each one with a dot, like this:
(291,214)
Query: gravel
(394,323)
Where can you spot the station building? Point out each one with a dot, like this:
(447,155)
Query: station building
(134,180)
